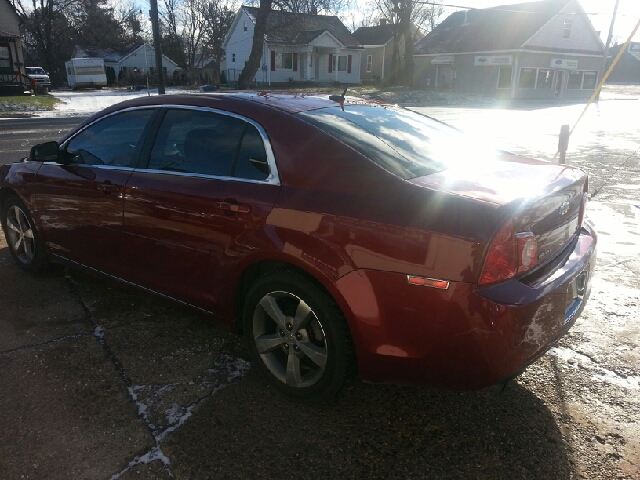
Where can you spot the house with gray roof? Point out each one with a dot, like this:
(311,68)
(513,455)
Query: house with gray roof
(137,58)
(379,58)
(627,70)
(383,48)
(536,50)
(297,48)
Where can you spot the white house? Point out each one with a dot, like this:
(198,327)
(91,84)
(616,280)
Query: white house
(137,59)
(297,48)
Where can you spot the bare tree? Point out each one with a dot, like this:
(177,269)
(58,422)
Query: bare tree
(412,18)
(218,20)
(193,25)
(366,18)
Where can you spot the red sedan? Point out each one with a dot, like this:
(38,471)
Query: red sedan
(337,236)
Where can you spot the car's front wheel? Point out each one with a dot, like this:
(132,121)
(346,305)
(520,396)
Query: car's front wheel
(297,336)
(22,237)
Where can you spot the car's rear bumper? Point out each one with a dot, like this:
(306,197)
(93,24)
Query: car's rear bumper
(463,337)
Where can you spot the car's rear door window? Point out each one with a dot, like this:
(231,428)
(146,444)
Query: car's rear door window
(112,141)
(251,162)
(403,142)
(209,143)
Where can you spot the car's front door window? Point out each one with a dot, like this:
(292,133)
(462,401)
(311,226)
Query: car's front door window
(112,141)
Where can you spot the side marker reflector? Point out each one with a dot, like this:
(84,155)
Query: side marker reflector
(428,282)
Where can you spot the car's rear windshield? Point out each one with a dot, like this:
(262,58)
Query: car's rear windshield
(403,142)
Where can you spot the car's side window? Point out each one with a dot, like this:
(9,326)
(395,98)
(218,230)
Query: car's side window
(209,143)
(194,141)
(251,162)
(111,141)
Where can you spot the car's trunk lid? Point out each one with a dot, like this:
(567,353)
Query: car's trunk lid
(540,197)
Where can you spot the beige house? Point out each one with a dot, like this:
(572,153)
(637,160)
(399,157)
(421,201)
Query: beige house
(380,57)
(12,80)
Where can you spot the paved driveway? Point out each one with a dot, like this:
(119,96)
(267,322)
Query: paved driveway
(100,382)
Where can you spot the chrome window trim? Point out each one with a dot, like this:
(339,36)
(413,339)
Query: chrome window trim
(104,167)
(272,179)
(145,107)
(210,177)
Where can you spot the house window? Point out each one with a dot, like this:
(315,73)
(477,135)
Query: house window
(245,26)
(545,78)
(527,78)
(233,58)
(284,60)
(369,62)
(566,27)
(5,58)
(590,81)
(341,61)
(504,77)
(575,81)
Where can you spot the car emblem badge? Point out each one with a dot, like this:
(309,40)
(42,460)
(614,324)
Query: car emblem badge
(564,208)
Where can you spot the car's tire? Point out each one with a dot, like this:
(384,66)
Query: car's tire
(298,337)
(25,244)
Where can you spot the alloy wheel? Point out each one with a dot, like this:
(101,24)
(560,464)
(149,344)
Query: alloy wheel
(20,235)
(290,339)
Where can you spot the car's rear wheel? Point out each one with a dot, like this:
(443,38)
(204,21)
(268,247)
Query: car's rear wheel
(297,336)
(22,237)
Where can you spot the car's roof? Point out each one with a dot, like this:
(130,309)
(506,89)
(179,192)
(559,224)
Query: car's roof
(288,102)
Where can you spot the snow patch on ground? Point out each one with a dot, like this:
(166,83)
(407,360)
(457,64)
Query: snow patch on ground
(154,402)
(577,360)
(150,399)
(88,102)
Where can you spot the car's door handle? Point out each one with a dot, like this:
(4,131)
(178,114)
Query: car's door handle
(234,207)
(108,188)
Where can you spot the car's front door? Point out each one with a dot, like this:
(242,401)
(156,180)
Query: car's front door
(80,201)
(209,183)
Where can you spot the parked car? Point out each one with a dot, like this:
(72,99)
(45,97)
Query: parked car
(41,77)
(336,235)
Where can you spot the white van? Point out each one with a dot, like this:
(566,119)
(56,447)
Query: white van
(86,72)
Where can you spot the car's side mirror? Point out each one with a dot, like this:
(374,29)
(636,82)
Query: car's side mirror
(45,152)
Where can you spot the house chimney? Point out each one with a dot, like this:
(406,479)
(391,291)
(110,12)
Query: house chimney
(314,10)
(383,21)
(466,18)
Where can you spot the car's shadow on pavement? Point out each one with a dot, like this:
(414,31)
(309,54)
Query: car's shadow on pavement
(176,364)
(248,430)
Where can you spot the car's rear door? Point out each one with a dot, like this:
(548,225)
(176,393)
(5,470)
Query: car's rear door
(80,201)
(208,183)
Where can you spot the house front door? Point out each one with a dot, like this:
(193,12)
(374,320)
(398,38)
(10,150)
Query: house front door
(559,83)
(445,76)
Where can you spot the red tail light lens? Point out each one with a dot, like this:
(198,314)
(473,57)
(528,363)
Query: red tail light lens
(508,255)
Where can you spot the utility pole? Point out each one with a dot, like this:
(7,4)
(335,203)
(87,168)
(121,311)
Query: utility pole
(610,37)
(156,44)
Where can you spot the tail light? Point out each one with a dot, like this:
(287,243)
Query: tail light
(509,254)
(583,203)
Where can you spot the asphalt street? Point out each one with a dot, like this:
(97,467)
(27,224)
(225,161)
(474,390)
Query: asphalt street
(18,135)
(102,382)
